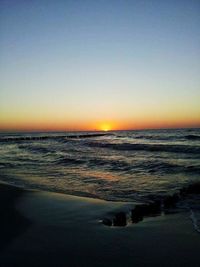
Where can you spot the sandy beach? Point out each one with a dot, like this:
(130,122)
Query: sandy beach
(51,229)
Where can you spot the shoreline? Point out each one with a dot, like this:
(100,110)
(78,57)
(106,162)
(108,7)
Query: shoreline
(61,230)
(12,223)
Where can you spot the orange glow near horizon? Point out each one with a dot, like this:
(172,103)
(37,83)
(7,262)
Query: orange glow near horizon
(105,127)
(62,120)
(108,125)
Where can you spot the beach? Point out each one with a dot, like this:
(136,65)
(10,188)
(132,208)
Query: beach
(100,133)
(53,229)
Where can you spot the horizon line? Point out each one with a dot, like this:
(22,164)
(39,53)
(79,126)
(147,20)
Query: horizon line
(95,130)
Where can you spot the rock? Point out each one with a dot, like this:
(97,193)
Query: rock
(170,201)
(137,214)
(107,222)
(120,219)
(154,208)
(191,189)
(145,210)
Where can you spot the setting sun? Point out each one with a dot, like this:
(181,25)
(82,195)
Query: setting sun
(105,127)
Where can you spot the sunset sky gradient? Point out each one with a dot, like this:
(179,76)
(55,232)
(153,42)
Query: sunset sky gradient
(79,65)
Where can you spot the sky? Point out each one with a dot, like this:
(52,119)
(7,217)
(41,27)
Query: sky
(96,65)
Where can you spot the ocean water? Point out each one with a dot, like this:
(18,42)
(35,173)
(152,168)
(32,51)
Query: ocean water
(122,166)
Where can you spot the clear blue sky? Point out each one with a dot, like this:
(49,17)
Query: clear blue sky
(74,63)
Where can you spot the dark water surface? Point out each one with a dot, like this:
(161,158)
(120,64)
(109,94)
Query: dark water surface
(127,165)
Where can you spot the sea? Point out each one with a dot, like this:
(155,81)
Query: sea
(115,166)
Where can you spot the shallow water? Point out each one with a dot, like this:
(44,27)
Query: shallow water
(127,165)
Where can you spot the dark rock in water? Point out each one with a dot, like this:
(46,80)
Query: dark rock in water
(137,214)
(145,210)
(191,189)
(170,201)
(120,219)
(155,208)
(107,222)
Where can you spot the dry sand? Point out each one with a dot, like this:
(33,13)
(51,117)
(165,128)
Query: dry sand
(50,229)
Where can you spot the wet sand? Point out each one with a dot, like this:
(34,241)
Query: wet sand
(51,229)
(12,223)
